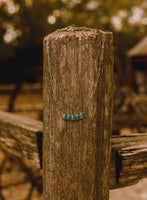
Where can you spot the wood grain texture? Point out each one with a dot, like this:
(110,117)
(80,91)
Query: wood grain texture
(128,157)
(22,137)
(76,155)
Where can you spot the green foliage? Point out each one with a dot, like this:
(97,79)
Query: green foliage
(24,23)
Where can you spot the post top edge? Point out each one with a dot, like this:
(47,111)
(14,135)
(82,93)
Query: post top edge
(79,31)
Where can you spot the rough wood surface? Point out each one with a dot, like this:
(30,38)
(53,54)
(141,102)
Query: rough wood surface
(76,155)
(21,136)
(128,159)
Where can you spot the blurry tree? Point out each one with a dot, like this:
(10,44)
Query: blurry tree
(24,23)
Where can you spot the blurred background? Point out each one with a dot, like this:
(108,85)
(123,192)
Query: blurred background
(23,25)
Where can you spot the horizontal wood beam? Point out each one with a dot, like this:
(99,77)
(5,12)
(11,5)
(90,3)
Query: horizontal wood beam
(128,159)
(23,107)
(25,88)
(124,121)
(22,137)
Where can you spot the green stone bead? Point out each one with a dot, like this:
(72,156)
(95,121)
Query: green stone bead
(77,116)
(63,116)
(68,117)
(72,117)
(81,116)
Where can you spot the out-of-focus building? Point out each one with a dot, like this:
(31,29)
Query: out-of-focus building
(138,57)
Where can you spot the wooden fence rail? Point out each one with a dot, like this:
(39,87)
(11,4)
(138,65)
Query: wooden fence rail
(22,137)
(78,62)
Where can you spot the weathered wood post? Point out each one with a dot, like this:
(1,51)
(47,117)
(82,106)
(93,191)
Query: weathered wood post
(76,153)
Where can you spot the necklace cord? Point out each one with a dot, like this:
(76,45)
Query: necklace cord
(98,73)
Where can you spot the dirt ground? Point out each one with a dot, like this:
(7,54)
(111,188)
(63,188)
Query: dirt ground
(135,192)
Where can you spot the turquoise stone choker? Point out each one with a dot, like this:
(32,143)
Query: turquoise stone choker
(76,117)
(72,117)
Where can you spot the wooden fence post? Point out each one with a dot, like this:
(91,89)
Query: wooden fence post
(76,154)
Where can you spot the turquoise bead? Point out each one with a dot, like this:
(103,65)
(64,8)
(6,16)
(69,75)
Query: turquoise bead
(64,116)
(81,116)
(72,117)
(68,117)
(77,116)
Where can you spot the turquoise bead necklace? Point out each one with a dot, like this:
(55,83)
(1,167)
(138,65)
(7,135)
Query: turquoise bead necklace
(76,117)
